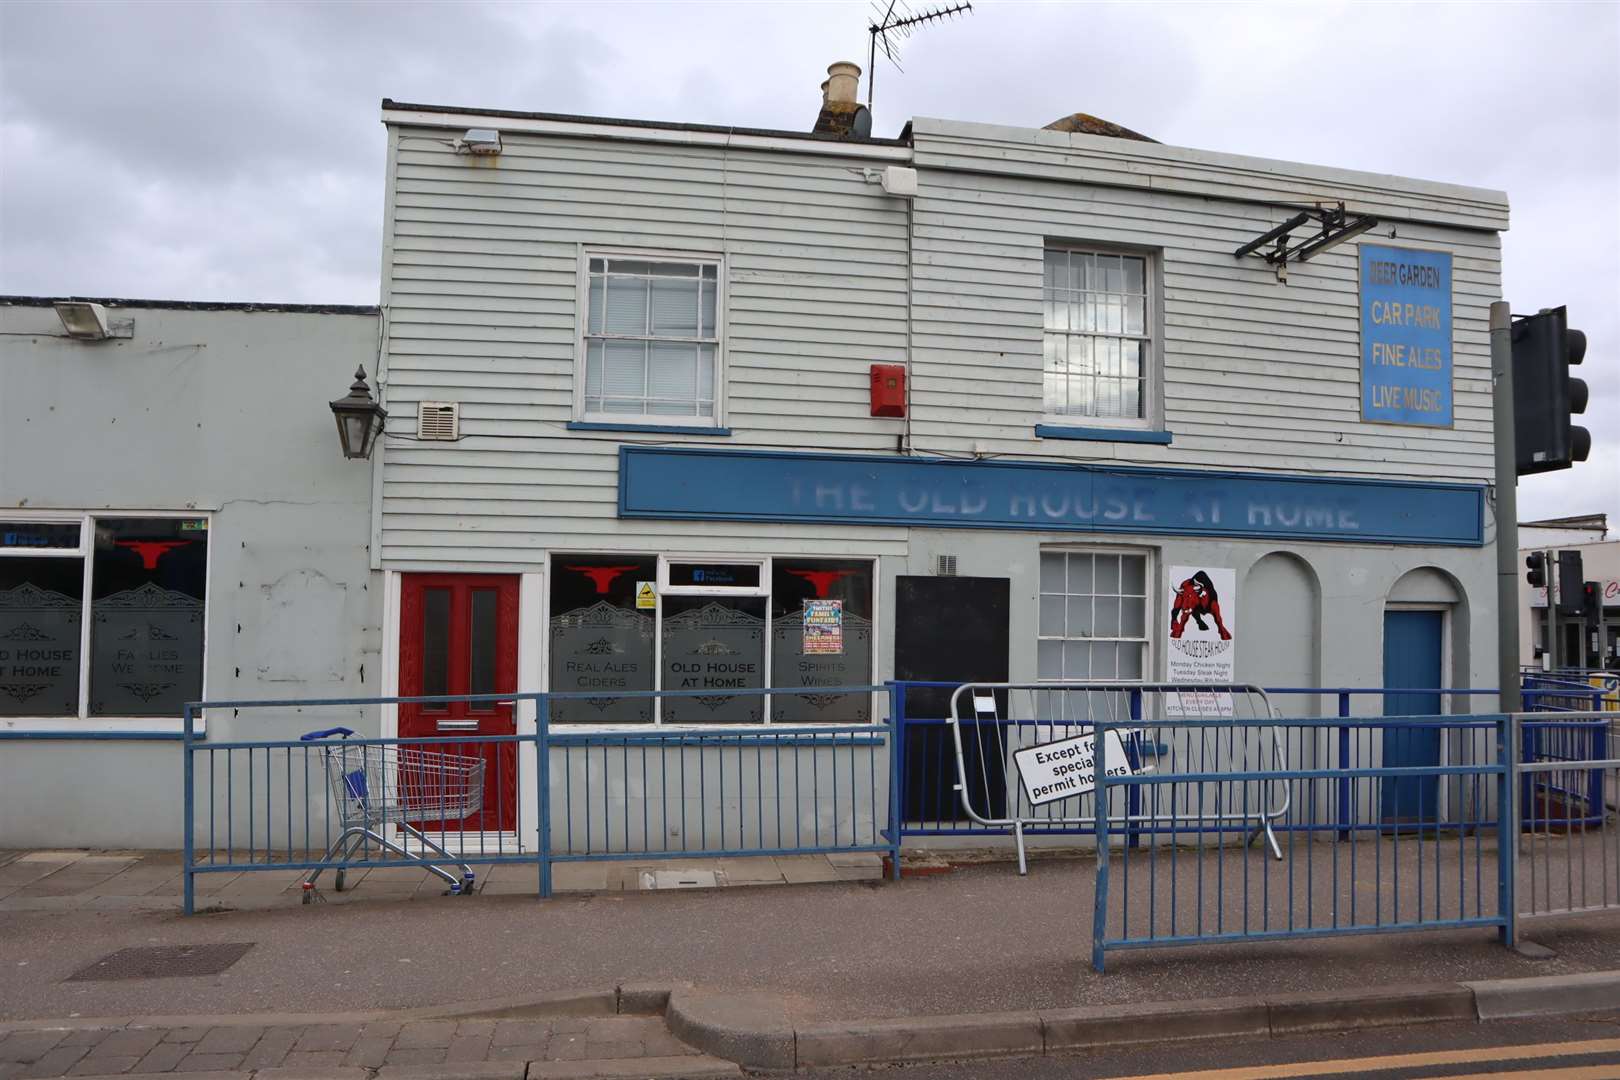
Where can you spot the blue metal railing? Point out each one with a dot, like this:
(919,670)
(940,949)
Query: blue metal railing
(1372,840)
(1426,865)
(274,804)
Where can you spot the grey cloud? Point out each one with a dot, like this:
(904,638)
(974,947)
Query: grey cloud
(233,151)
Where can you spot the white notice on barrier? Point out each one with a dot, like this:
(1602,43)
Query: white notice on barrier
(1066,768)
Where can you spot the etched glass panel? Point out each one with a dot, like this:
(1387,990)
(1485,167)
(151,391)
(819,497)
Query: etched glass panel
(602,613)
(821,635)
(149,585)
(41,605)
(716,644)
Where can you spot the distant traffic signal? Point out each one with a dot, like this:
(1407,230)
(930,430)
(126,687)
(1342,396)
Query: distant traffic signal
(1592,602)
(1545,394)
(1570,575)
(1537,562)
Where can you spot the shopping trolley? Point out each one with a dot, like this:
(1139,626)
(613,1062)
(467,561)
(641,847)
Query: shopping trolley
(374,785)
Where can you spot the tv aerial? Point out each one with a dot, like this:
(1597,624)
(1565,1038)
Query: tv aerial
(893,24)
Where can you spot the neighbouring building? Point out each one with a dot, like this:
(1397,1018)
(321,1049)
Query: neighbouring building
(1589,640)
(176,522)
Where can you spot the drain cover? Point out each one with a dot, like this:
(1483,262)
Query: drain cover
(164,962)
(678,879)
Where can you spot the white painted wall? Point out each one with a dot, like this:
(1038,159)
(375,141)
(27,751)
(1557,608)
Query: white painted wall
(213,410)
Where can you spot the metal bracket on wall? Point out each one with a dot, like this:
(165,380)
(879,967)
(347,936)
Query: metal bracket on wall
(1335,226)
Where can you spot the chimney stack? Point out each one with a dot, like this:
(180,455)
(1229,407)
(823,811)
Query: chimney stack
(841,114)
(842,85)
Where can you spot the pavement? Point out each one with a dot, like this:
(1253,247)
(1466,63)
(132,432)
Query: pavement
(355,1048)
(152,880)
(925,963)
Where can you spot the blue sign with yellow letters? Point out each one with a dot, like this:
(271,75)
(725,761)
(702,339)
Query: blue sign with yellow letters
(1405,336)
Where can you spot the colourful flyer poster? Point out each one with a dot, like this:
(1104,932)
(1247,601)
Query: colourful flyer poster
(824,627)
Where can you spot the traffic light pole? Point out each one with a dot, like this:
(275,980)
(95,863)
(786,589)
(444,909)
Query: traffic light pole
(1507,510)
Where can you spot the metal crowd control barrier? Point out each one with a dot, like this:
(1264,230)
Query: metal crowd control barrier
(645,793)
(1568,859)
(1423,854)
(930,805)
(992,722)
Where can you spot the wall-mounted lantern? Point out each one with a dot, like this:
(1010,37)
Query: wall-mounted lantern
(359,418)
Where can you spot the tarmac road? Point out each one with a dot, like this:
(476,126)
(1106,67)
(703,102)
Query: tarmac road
(980,939)
(1547,1046)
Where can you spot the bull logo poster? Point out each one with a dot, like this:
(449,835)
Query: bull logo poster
(1202,637)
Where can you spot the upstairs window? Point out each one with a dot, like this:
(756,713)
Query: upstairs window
(1098,353)
(652,340)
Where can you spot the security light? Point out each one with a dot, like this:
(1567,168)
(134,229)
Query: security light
(481,141)
(83,320)
(359,418)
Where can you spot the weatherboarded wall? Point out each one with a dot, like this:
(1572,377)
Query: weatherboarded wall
(481,284)
(1258,374)
(482,298)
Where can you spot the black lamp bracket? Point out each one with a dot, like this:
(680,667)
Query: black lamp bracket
(1330,225)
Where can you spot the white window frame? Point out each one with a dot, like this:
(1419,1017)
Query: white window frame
(1150,638)
(1152,337)
(582,324)
(84,723)
(878,709)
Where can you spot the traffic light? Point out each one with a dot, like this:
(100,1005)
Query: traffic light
(1570,575)
(1537,562)
(1545,394)
(1592,603)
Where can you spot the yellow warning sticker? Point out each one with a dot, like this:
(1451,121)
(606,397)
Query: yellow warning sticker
(646,595)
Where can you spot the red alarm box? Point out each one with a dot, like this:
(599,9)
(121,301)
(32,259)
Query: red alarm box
(888,390)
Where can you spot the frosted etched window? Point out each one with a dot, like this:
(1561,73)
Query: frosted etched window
(651,340)
(148,586)
(41,605)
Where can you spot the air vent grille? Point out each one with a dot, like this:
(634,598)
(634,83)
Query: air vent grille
(945,565)
(438,421)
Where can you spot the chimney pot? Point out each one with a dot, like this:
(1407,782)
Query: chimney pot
(843,83)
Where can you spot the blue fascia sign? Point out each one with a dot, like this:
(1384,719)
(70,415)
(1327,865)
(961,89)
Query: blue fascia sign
(752,485)
(1405,336)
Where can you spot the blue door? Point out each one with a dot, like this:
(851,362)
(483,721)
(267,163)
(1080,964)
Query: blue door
(1412,659)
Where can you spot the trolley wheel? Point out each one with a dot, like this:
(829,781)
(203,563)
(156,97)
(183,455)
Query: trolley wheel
(467,884)
(338,884)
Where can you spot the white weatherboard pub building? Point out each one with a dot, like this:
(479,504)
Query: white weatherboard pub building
(636,441)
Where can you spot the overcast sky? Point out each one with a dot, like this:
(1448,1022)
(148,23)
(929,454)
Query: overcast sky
(233,151)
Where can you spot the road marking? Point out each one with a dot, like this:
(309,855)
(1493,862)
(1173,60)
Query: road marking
(1346,1066)
(1572,1072)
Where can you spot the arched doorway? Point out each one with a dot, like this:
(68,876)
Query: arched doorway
(1420,616)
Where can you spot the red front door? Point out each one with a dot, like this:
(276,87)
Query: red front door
(458,635)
